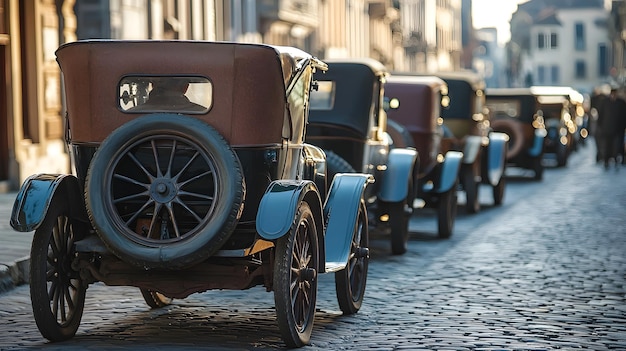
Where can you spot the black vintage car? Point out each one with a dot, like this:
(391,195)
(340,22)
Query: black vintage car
(468,130)
(349,123)
(414,106)
(191,173)
(518,113)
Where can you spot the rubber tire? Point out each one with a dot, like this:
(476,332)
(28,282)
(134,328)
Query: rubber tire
(65,281)
(400,135)
(498,192)
(350,282)
(296,324)
(336,164)
(538,168)
(471,187)
(515,132)
(155,299)
(446,212)
(211,231)
(561,154)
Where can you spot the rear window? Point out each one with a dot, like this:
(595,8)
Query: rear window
(324,97)
(181,94)
(504,108)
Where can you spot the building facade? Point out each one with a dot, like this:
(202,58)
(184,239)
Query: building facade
(544,32)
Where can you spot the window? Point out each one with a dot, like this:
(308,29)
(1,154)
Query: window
(141,94)
(581,69)
(579,36)
(555,74)
(553,41)
(603,67)
(541,74)
(324,97)
(541,41)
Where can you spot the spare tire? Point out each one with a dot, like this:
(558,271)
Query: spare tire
(164,191)
(515,132)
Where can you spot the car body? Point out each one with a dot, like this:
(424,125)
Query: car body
(517,112)
(468,130)
(414,112)
(215,189)
(349,123)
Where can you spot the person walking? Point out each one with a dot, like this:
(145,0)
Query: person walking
(610,128)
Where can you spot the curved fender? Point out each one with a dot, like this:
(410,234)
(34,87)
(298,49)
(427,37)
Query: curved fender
(537,147)
(278,206)
(496,151)
(34,197)
(395,184)
(341,211)
(449,171)
(472,146)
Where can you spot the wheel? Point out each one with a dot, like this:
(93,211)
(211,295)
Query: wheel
(399,226)
(446,212)
(561,154)
(164,191)
(57,293)
(350,282)
(498,192)
(336,164)
(295,279)
(538,168)
(399,134)
(515,132)
(155,299)
(471,187)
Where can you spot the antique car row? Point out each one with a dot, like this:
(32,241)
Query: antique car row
(227,166)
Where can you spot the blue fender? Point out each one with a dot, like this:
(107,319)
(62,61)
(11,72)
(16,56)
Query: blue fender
(471,148)
(395,184)
(449,171)
(537,148)
(496,160)
(341,211)
(279,204)
(34,197)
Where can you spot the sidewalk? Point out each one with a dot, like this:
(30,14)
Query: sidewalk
(14,247)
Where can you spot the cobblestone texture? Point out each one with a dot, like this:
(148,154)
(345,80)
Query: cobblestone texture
(545,271)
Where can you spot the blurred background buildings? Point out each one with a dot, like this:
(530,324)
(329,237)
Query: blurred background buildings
(579,43)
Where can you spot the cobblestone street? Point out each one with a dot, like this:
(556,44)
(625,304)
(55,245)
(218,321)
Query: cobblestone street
(545,271)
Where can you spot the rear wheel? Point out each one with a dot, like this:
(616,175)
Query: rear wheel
(350,282)
(538,168)
(56,289)
(399,226)
(295,279)
(155,299)
(446,212)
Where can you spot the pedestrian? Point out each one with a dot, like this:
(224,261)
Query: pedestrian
(610,128)
(598,96)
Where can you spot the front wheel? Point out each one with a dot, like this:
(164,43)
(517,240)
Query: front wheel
(350,282)
(498,192)
(471,187)
(446,212)
(295,279)
(56,290)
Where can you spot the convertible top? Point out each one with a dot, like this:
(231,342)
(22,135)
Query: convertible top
(249,83)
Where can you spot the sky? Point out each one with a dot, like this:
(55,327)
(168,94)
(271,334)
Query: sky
(495,13)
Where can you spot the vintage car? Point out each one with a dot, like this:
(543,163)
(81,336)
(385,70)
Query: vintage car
(414,109)
(517,112)
(467,129)
(191,173)
(349,123)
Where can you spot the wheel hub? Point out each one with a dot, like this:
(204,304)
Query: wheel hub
(307,274)
(163,190)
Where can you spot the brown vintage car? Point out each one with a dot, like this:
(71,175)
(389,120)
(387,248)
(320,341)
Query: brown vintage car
(191,173)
